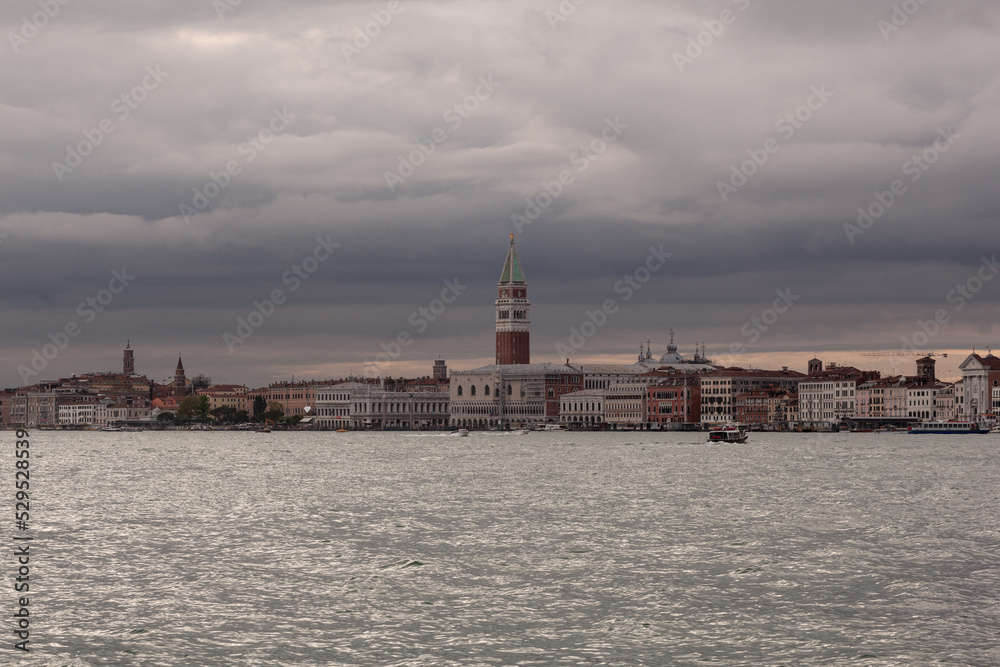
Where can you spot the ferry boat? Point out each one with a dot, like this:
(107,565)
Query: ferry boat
(946,427)
(731,433)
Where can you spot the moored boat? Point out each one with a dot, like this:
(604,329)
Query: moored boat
(950,427)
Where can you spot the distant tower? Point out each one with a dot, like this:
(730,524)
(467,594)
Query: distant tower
(513,310)
(815,367)
(128,361)
(440,370)
(925,369)
(179,380)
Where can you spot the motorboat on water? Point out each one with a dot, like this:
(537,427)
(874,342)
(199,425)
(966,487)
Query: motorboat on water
(462,432)
(950,427)
(728,433)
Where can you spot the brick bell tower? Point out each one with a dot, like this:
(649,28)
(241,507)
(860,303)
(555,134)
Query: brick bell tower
(513,311)
(128,360)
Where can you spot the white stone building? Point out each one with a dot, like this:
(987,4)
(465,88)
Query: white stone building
(582,407)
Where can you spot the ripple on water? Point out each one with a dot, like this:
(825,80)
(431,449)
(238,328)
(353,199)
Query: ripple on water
(575,549)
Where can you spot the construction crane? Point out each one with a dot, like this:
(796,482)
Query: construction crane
(901,354)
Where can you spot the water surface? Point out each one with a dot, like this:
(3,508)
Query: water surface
(226,548)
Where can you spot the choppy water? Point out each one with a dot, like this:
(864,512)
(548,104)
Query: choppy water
(545,549)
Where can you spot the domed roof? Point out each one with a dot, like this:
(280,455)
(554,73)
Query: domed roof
(672,356)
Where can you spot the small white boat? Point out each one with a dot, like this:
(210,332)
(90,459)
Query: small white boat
(462,432)
(520,431)
(732,433)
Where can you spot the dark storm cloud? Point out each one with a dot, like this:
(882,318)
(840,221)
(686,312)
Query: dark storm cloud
(233,140)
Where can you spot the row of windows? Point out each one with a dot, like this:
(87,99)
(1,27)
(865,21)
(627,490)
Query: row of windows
(486,390)
(400,407)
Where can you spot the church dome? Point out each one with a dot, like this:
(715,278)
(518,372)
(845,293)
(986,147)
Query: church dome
(672,356)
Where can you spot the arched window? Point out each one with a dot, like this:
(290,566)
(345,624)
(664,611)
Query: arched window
(510,390)
(486,390)
(473,392)
(459,390)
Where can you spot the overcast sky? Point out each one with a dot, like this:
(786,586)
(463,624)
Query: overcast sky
(742,136)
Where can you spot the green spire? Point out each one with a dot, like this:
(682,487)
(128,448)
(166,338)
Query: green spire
(512,272)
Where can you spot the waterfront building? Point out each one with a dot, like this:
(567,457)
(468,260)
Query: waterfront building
(294,397)
(375,407)
(626,402)
(228,395)
(111,412)
(34,406)
(765,407)
(719,389)
(863,400)
(945,403)
(498,396)
(827,397)
(333,405)
(6,397)
(675,400)
(895,397)
(79,412)
(923,391)
(582,408)
(979,376)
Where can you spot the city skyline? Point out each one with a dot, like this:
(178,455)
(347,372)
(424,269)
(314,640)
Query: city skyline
(816,181)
